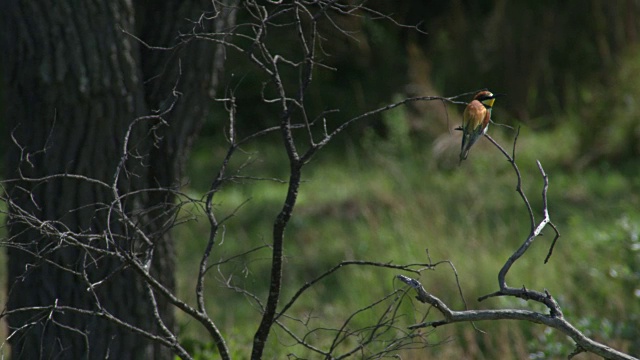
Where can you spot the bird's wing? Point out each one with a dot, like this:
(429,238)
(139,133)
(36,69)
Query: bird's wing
(474,115)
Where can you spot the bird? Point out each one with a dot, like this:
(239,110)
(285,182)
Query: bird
(475,120)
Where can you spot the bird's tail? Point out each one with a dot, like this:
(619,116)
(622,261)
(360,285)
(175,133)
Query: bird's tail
(464,150)
(463,156)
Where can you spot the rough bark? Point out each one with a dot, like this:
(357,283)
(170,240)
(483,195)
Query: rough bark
(74,82)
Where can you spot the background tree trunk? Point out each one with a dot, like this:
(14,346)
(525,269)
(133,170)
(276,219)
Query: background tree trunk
(75,81)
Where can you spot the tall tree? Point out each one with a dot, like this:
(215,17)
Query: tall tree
(80,84)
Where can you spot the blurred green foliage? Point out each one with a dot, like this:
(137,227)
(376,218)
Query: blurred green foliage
(390,188)
(553,59)
(395,200)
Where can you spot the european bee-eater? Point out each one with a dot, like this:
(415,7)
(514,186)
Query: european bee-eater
(475,120)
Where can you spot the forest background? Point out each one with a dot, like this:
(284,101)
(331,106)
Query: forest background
(391,187)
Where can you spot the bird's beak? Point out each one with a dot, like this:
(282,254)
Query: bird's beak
(497,95)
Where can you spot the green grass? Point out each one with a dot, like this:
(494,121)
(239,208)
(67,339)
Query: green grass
(391,201)
(395,199)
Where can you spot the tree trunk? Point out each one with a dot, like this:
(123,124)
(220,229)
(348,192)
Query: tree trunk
(75,81)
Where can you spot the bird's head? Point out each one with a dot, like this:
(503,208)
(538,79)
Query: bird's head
(486,98)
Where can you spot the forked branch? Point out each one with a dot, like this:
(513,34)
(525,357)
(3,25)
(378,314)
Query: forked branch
(554,319)
(559,323)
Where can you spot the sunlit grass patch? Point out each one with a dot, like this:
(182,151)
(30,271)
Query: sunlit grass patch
(389,204)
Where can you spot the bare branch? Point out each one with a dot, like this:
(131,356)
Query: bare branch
(552,321)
